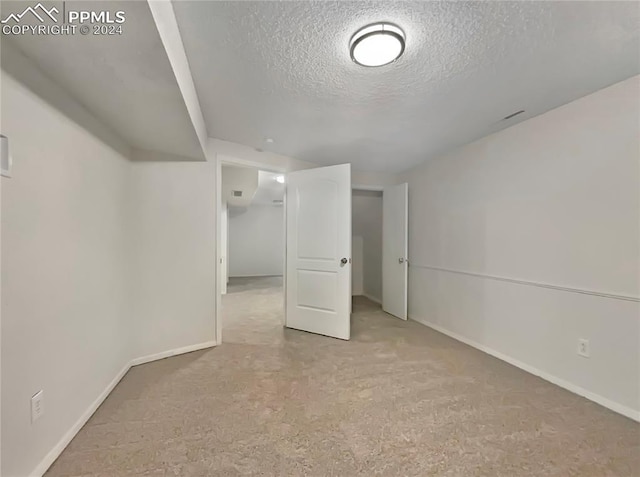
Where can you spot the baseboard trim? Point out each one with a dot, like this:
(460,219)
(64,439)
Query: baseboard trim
(172,352)
(54,453)
(372,298)
(608,403)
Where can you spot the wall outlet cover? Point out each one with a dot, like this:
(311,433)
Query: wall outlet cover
(37,406)
(5,157)
(583,348)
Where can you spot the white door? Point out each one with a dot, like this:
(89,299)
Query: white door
(224,246)
(318,289)
(395,248)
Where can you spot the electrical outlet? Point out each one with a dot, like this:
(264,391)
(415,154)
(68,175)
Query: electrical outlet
(37,406)
(583,348)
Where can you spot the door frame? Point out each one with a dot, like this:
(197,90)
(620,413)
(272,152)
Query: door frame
(380,188)
(369,188)
(222,159)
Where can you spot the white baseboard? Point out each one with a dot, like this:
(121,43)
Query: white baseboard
(54,453)
(372,298)
(172,352)
(71,433)
(608,403)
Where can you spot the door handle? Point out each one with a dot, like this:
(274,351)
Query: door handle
(401,260)
(344,261)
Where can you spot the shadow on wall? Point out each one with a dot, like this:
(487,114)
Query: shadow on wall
(236,211)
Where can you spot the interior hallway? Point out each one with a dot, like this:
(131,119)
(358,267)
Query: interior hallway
(398,399)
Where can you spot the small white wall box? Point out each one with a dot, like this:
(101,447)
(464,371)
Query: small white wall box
(5,158)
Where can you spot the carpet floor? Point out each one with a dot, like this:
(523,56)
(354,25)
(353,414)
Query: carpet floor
(399,399)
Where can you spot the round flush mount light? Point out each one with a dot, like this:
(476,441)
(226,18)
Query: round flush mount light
(377,45)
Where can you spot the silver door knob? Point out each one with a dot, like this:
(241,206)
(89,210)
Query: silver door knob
(344,261)
(401,260)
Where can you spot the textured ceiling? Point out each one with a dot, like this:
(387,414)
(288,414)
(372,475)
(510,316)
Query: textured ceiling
(282,70)
(125,80)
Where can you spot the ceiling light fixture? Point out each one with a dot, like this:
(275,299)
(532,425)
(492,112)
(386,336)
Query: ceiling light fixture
(280,179)
(377,45)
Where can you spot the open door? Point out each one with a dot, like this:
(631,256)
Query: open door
(395,249)
(318,288)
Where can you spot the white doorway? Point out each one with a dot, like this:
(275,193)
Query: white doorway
(318,194)
(380,246)
(367,244)
(251,255)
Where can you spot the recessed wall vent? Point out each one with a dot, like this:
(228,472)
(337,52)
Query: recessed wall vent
(278,201)
(512,115)
(237,193)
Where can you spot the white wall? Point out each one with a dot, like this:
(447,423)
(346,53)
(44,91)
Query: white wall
(550,202)
(256,240)
(173,260)
(104,263)
(367,223)
(65,323)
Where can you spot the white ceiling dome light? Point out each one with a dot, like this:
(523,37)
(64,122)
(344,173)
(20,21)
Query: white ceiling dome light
(377,45)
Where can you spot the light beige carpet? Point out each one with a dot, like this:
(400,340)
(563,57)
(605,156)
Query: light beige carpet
(397,400)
